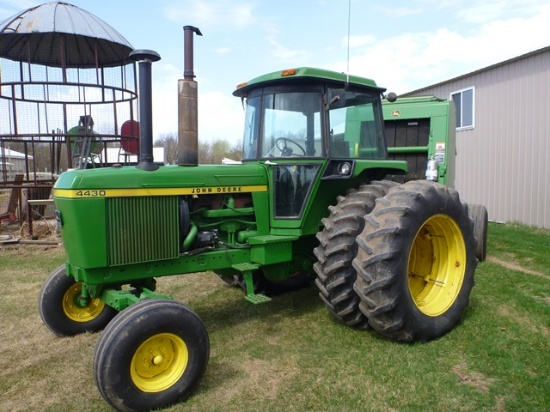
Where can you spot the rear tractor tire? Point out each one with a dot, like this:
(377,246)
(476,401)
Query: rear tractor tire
(416,262)
(63,313)
(337,248)
(151,355)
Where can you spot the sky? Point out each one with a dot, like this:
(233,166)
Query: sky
(402,45)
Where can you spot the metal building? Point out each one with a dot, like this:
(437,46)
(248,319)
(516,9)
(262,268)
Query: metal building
(503,137)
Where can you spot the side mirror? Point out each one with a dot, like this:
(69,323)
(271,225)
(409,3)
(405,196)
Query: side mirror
(391,97)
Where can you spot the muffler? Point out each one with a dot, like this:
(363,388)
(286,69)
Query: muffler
(188,112)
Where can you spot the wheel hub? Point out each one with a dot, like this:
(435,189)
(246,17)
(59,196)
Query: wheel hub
(78,308)
(159,362)
(437,264)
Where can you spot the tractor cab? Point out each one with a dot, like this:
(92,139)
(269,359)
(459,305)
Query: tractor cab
(310,114)
(305,122)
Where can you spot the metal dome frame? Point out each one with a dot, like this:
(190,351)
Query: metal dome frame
(66,81)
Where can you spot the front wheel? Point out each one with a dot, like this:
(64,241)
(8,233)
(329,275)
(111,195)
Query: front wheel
(151,355)
(415,262)
(62,310)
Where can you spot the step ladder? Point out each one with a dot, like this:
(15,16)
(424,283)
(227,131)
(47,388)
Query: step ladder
(81,151)
(83,142)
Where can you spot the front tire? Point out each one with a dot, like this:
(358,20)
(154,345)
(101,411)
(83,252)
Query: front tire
(61,311)
(416,262)
(153,354)
(337,248)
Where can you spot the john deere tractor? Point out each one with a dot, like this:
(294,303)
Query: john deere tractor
(309,199)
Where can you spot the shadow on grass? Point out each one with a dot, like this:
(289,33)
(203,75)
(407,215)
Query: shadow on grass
(221,312)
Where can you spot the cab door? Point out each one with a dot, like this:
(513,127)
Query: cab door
(293,185)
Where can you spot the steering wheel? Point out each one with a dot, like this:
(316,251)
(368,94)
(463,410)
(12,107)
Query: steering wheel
(282,145)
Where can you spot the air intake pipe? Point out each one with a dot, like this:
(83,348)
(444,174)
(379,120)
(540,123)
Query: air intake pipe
(188,136)
(145,58)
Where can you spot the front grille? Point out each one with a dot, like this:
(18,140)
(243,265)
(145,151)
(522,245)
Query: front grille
(142,229)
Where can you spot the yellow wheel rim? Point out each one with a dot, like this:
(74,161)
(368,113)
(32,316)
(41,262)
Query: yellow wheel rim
(159,362)
(437,264)
(77,312)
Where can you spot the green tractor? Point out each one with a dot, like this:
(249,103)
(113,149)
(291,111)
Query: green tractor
(308,200)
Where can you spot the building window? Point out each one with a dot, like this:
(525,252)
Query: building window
(464,103)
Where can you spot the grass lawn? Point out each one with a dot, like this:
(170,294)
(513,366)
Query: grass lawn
(290,355)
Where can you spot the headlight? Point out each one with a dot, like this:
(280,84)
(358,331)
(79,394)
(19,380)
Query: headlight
(344,169)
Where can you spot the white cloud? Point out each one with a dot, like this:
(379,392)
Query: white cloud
(412,60)
(220,116)
(399,11)
(285,54)
(358,41)
(498,9)
(270,28)
(480,13)
(209,13)
(165,99)
(498,40)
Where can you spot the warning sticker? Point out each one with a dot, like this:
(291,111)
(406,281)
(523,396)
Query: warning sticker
(439,155)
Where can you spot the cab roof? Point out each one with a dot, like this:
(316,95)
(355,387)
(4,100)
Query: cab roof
(304,74)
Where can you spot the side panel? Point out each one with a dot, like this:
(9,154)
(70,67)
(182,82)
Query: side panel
(84,230)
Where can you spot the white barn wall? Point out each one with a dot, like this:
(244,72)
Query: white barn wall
(503,162)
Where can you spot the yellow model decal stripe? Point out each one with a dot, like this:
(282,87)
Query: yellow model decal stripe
(172,191)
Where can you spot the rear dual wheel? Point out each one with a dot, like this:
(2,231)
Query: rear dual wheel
(416,261)
(337,248)
(151,355)
(478,213)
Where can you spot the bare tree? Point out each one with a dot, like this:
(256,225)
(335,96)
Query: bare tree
(204,152)
(218,150)
(170,144)
(209,153)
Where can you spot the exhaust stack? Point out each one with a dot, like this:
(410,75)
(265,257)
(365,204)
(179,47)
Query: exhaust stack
(188,135)
(145,58)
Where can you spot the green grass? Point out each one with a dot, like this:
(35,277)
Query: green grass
(522,245)
(290,355)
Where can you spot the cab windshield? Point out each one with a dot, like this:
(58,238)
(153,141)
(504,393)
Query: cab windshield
(289,124)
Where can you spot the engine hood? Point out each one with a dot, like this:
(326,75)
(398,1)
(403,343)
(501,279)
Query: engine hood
(167,180)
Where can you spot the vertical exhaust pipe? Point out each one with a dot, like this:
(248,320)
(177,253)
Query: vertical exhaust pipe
(188,112)
(145,58)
